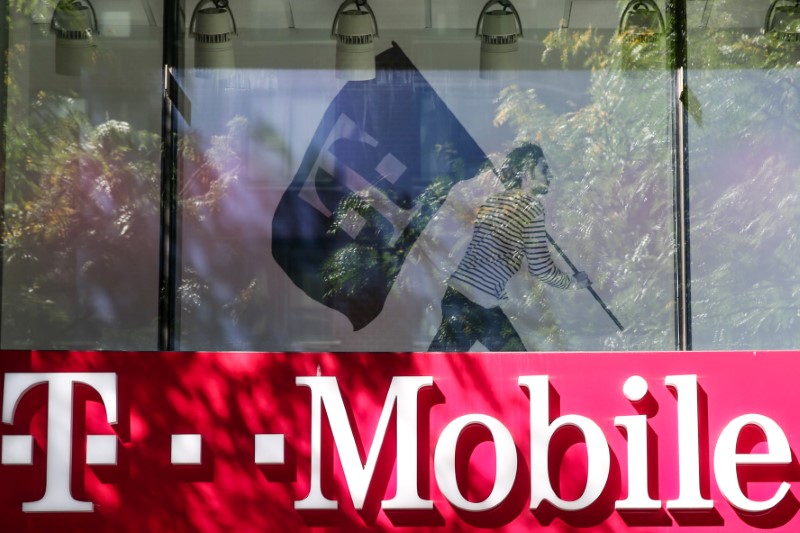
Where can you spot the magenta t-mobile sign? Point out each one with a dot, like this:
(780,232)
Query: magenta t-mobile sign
(288,442)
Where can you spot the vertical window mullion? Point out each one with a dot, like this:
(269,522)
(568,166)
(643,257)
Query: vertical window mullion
(168,250)
(676,12)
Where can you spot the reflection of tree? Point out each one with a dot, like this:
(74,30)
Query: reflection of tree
(208,170)
(613,179)
(343,272)
(81,203)
(81,242)
(615,156)
(744,186)
(366,268)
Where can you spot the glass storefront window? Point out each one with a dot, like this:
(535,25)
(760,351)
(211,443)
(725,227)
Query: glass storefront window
(436,175)
(331,214)
(745,167)
(82,172)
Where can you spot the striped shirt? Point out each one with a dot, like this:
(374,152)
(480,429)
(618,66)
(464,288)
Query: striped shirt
(509,226)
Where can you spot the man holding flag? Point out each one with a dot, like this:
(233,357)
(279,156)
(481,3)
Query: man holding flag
(509,226)
(384,159)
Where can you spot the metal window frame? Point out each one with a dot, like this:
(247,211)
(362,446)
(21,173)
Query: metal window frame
(173,56)
(678,32)
(169,250)
(5,39)
(169,244)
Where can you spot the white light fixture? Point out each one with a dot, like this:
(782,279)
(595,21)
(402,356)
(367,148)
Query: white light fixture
(355,31)
(643,20)
(213,29)
(499,31)
(783,20)
(75,25)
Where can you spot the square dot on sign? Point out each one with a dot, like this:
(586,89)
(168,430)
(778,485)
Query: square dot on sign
(391,168)
(186,450)
(17,450)
(269,450)
(101,450)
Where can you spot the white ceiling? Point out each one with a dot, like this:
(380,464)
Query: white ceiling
(418,14)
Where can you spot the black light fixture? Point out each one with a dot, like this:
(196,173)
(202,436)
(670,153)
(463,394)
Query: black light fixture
(74,24)
(213,29)
(783,20)
(499,31)
(643,20)
(355,31)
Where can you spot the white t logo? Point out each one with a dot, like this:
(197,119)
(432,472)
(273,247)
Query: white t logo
(57,496)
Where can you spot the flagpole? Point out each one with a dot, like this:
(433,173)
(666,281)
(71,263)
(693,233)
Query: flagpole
(589,288)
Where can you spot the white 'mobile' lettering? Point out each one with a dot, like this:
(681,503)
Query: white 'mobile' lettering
(402,393)
(542,431)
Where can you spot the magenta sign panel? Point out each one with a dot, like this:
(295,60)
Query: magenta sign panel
(416,442)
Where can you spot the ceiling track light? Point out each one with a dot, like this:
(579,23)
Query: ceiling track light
(355,31)
(499,31)
(74,25)
(643,20)
(213,29)
(783,20)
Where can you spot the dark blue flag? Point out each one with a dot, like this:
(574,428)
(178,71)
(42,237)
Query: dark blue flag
(380,164)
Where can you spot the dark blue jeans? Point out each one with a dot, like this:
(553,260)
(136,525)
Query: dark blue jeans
(464,322)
